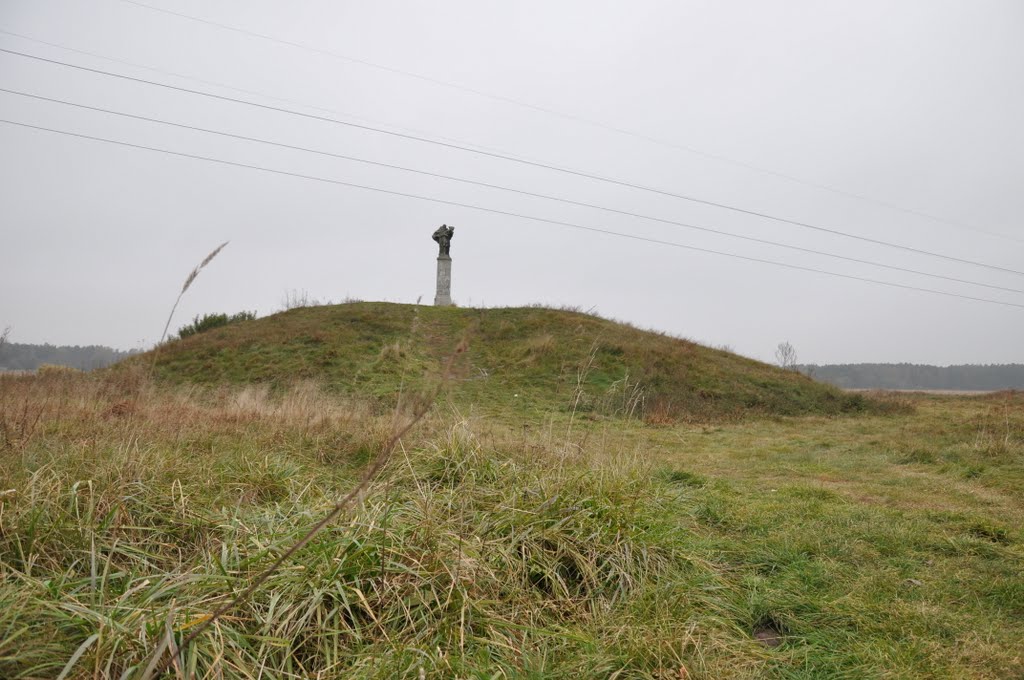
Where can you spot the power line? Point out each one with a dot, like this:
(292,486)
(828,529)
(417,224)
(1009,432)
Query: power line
(265,95)
(470,206)
(514,159)
(569,116)
(242,90)
(502,188)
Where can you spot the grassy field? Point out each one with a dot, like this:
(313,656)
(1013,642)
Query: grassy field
(546,543)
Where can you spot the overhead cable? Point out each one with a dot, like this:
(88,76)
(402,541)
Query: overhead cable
(488,185)
(506,213)
(521,161)
(570,117)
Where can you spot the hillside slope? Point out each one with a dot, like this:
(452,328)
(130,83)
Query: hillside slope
(518,358)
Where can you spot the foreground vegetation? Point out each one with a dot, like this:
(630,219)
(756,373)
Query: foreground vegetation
(556,543)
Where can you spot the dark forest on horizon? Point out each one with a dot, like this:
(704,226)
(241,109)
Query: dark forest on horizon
(920,376)
(16,356)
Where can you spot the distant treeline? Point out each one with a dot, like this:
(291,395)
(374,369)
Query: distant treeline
(21,357)
(920,377)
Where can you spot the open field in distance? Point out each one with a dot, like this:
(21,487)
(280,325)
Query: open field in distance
(963,393)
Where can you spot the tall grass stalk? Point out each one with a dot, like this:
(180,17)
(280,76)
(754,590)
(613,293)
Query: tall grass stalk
(188,283)
(401,426)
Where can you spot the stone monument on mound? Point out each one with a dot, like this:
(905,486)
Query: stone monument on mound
(443,236)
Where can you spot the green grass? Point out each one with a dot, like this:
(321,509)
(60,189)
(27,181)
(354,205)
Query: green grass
(535,544)
(521,361)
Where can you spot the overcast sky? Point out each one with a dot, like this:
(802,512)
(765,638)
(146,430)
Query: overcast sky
(913,107)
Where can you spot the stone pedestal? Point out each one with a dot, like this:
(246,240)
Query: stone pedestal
(444,281)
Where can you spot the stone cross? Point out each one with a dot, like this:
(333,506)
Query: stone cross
(443,236)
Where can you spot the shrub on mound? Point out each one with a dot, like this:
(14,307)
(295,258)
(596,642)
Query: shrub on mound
(210,321)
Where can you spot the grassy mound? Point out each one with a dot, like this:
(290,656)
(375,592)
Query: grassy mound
(526,359)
